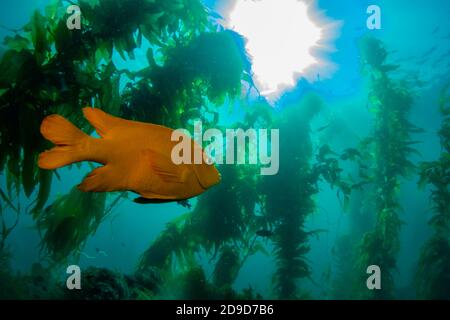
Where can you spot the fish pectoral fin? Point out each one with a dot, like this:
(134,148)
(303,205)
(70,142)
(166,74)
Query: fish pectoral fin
(164,168)
(99,180)
(167,176)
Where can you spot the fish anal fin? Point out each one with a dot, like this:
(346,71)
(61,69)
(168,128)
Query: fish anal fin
(101,121)
(101,179)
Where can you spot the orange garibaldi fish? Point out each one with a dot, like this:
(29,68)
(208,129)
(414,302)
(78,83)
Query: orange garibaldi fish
(136,157)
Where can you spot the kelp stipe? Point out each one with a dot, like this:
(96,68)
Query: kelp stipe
(389,149)
(287,207)
(433,274)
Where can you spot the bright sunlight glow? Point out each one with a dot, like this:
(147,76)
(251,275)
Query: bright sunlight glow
(281,37)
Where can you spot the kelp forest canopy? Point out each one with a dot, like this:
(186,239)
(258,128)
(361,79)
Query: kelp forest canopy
(194,66)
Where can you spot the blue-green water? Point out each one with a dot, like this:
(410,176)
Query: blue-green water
(417,36)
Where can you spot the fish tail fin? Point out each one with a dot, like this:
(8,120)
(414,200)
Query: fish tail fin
(69,140)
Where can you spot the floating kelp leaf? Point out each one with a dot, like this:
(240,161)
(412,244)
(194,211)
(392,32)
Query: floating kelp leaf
(45,182)
(227,267)
(17,42)
(121,48)
(350,154)
(39,38)
(139,38)
(444,100)
(216,58)
(214,71)
(151,58)
(5,198)
(194,13)
(53,8)
(69,221)
(216,229)
(215,14)
(194,285)
(432,276)
(346,204)
(13,174)
(110,96)
(260,112)
(160,252)
(60,235)
(143,18)
(409,150)
(406,168)
(109,70)
(28,166)
(259,247)
(149,30)
(325,151)
(104,51)
(11,65)
(412,142)
(87,7)
(372,51)
(389,67)
(30,140)
(70,43)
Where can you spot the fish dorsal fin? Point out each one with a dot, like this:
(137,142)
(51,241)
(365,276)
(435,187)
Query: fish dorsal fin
(101,121)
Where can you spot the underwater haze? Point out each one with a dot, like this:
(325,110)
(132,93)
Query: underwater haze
(358,208)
